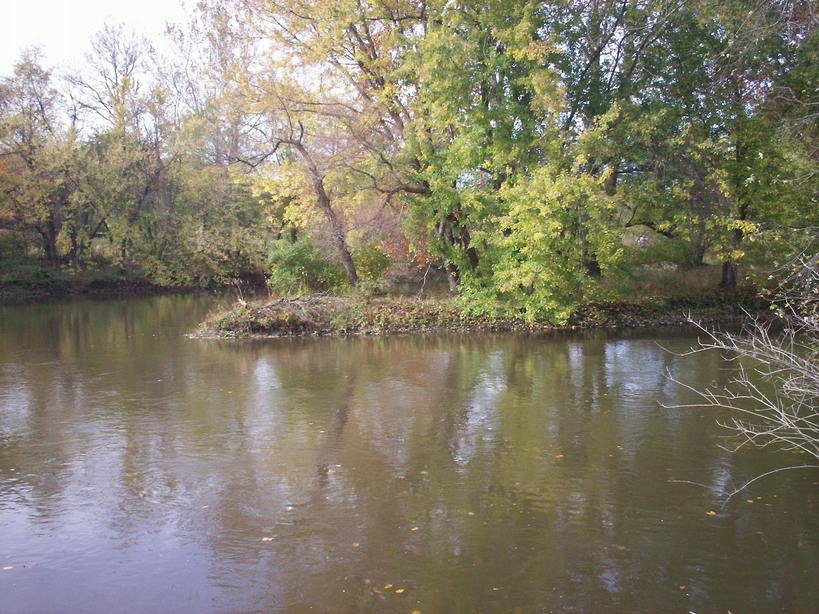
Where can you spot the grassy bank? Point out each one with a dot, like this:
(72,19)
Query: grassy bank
(338,316)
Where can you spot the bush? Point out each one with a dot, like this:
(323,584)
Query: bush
(369,288)
(370,262)
(30,274)
(300,266)
(661,250)
(11,245)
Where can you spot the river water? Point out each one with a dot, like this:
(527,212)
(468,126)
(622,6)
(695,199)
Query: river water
(142,471)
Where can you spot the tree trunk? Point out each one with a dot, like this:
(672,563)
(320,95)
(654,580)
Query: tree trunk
(124,256)
(697,257)
(447,238)
(591,264)
(323,203)
(471,252)
(75,255)
(729,276)
(610,185)
(729,267)
(337,230)
(49,236)
(587,258)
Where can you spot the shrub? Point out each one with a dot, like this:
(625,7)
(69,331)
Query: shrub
(11,245)
(371,263)
(30,274)
(369,288)
(300,266)
(661,250)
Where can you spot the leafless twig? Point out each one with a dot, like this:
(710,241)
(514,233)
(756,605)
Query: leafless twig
(774,397)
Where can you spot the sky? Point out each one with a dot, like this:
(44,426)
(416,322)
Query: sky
(63,28)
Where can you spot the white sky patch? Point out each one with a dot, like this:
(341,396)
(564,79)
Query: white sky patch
(63,28)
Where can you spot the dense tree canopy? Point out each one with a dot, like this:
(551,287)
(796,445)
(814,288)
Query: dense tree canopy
(517,145)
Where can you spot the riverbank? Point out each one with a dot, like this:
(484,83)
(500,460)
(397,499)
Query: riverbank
(340,316)
(35,283)
(15,295)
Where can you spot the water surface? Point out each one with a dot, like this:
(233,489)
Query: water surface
(141,471)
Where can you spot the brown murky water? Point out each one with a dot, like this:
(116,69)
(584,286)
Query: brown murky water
(141,471)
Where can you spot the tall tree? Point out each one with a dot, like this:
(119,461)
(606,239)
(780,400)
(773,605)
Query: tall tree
(37,150)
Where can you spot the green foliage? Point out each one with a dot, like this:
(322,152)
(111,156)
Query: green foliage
(372,265)
(132,194)
(565,128)
(11,245)
(300,267)
(30,274)
(661,250)
(554,225)
(371,262)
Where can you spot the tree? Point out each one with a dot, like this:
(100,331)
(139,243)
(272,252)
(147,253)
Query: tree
(342,121)
(564,125)
(39,176)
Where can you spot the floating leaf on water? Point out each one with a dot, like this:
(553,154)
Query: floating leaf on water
(398,591)
(388,586)
(710,513)
(356,544)
(414,529)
